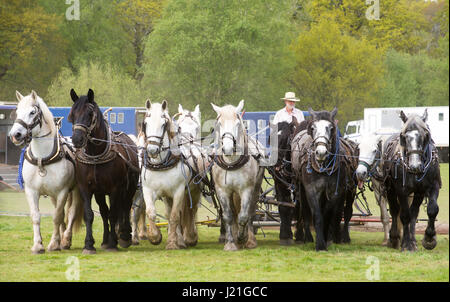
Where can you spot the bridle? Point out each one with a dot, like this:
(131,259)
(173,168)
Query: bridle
(160,139)
(326,143)
(37,120)
(371,168)
(187,136)
(229,134)
(87,130)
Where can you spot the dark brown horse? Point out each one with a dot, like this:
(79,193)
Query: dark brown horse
(106,164)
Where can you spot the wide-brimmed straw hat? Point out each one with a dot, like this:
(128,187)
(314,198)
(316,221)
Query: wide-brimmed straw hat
(290,96)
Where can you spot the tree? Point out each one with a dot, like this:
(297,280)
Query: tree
(137,17)
(221,52)
(112,87)
(401,24)
(335,69)
(28,56)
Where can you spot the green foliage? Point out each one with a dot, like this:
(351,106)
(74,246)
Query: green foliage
(415,80)
(335,69)
(400,26)
(221,52)
(31,49)
(111,87)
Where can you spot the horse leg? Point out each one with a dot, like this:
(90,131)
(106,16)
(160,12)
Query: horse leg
(190,232)
(300,225)
(33,203)
(113,217)
(429,240)
(58,219)
(174,220)
(154,233)
(124,218)
(88,220)
(318,220)
(405,217)
(394,233)
(381,200)
(244,216)
(135,216)
(141,222)
(227,217)
(286,213)
(74,216)
(348,213)
(306,213)
(414,210)
(104,212)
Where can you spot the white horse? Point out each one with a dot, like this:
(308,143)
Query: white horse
(166,176)
(137,215)
(369,166)
(237,176)
(46,171)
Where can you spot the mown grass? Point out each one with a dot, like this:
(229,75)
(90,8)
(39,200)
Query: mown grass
(208,262)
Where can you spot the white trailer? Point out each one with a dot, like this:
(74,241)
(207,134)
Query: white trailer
(376,118)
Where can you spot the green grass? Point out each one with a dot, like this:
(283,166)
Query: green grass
(208,262)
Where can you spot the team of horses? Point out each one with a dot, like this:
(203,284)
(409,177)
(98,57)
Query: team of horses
(316,175)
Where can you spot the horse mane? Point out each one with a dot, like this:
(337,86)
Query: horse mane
(47,115)
(415,122)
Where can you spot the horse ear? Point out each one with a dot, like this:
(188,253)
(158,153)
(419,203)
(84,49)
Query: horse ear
(403,116)
(164,105)
(240,107)
(197,109)
(90,95)
(148,104)
(34,95)
(13,115)
(294,121)
(73,95)
(425,116)
(216,108)
(19,96)
(312,113)
(333,113)
(180,108)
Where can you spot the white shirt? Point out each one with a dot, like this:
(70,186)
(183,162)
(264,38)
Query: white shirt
(283,116)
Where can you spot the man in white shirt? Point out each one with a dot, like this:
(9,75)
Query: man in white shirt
(286,114)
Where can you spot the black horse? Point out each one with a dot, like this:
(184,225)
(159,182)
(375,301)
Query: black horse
(411,166)
(285,189)
(106,164)
(324,165)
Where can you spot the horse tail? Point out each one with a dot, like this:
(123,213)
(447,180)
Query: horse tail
(77,204)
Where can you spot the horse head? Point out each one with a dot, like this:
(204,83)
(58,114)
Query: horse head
(414,139)
(188,122)
(28,119)
(229,127)
(322,129)
(369,155)
(85,116)
(157,127)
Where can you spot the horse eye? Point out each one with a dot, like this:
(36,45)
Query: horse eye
(33,112)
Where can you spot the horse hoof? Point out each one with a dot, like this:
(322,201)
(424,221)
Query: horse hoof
(89,252)
(37,251)
(191,243)
(65,247)
(104,246)
(299,242)
(429,244)
(286,242)
(385,242)
(172,246)
(143,237)
(124,243)
(222,239)
(112,249)
(135,242)
(230,247)
(54,249)
(251,244)
(155,240)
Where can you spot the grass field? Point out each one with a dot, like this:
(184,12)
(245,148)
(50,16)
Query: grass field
(208,262)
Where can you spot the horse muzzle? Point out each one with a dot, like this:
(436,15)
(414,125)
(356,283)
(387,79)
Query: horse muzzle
(361,175)
(321,153)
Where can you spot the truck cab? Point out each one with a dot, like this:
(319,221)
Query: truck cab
(353,131)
